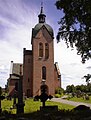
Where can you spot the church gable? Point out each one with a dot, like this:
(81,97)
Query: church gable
(43,32)
(46,34)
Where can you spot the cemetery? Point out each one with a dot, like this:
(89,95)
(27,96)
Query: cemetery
(36,109)
(33,85)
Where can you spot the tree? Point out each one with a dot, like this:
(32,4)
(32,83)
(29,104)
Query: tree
(75,25)
(59,91)
(87,77)
(70,88)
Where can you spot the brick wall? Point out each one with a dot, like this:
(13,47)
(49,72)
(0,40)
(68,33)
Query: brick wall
(39,63)
(27,73)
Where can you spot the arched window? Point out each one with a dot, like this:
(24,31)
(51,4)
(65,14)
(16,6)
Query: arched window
(44,72)
(46,51)
(40,50)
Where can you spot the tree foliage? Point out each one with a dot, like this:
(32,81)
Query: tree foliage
(87,77)
(75,25)
(81,88)
(59,91)
(70,88)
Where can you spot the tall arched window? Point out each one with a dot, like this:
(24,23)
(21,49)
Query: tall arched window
(46,50)
(44,72)
(40,50)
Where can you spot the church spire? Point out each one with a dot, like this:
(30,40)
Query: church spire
(41,15)
(41,8)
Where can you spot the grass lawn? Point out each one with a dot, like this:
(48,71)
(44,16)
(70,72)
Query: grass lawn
(80,100)
(33,106)
(31,111)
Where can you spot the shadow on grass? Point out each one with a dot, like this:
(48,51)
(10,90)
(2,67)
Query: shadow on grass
(75,114)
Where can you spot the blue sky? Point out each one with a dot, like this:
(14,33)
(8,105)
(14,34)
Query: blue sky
(17,18)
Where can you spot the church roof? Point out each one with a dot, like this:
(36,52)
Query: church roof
(15,69)
(14,77)
(42,23)
(39,26)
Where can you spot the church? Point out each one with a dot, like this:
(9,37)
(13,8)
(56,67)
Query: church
(38,64)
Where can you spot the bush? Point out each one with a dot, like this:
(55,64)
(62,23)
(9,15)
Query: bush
(69,97)
(78,94)
(87,97)
(59,91)
(89,94)
(57,95)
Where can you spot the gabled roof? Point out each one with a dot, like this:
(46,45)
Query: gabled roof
(14,77)
(15,69)
(42,23)
(39,26)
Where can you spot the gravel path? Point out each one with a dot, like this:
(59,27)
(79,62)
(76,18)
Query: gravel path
(70,102)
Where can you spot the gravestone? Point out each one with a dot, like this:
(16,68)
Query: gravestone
(1,98)
(20,105)
(43,97)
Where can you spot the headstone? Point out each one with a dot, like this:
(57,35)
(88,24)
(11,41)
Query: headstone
(20,104)
(1,98)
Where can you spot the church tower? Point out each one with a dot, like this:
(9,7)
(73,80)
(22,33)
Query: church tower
(43,55)
(38,63)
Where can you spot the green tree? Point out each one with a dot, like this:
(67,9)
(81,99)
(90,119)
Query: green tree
(82,88)
(70,89)
(59,91)
(87,77)
(89,87)
(75,25)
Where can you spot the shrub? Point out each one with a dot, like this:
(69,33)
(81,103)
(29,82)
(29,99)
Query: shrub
(87,97)
(59,91)
(69,97)
(57,95)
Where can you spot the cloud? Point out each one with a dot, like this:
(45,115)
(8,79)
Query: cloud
(4,73)
(17,18)
(72,70)
(16,22)
(89,67)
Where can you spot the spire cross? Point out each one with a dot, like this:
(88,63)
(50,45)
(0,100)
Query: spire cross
(42,7)
(41,15)
(42,4)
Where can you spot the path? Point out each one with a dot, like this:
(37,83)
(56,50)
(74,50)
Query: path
(70,102)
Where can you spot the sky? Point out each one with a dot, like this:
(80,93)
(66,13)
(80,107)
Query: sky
(17,18)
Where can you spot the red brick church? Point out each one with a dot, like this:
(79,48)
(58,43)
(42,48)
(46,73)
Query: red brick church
(38,63)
